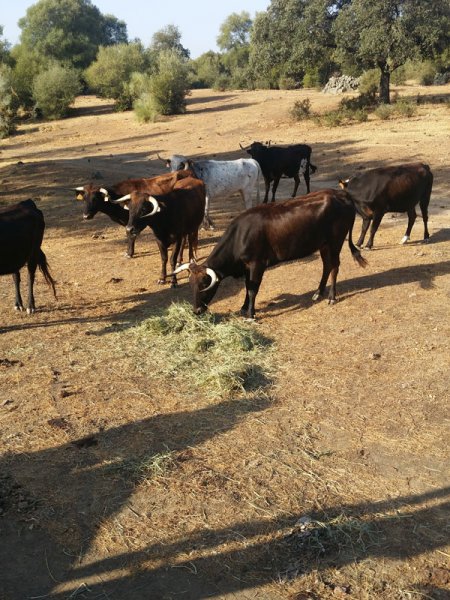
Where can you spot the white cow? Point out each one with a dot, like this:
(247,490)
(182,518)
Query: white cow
(222,178)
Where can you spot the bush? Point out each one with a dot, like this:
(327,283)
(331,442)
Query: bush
(405,108)
(333,118)
(364,100)
(145,108)
(222,83)
(55,89)
(287,83)
(170,85)
(301,110)
(113,68)
(369,81)
(384,111)
(427,73)
(312,79)
(7,103)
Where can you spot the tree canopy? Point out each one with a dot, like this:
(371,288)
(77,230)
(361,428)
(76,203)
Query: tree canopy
(69,31)
(235,31)
(168,38)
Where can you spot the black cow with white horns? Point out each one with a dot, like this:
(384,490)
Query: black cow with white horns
(21,231)
(269,234)
(279,161)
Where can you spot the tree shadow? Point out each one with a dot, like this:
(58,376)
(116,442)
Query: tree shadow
(95,476)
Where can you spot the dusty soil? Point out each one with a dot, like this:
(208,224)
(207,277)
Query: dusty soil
(352,434)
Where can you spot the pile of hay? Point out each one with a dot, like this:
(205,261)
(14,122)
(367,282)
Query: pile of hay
(220,356)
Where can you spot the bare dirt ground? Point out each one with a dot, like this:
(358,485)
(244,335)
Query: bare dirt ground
(352,434)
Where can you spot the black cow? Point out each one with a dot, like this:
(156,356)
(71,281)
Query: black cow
(272,233)
(390,189)
(173,217)
(276,161)
(21,231)
(100,199)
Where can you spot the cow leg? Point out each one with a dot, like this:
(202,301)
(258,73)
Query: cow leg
(424,211)
(31,275)
(411,219)
(334,273)
(164,256)
(267,186)
(253,277)
(18,304)
(364,228)
(377,216)
(183,246)
(306,178)
(296,184)
(276,181)
(207,223)
(326,264)
(130,245)
(193,246)
(173,259)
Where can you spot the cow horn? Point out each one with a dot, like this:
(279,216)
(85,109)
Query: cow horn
(156,207)
(78,189)
(244,147)
(122,199)
(214,279)
(183,267)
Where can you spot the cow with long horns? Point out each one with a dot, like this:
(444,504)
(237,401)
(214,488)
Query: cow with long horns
(269,234)
(101,199)
(279,161)
(173,217)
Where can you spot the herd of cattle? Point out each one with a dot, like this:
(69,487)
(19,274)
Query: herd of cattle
(175,204)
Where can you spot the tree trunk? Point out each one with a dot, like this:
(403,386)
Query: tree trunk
(384,85)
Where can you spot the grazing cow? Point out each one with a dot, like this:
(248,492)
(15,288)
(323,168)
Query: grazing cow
(98,199)
(276,161)
(21,231)
(272,233)
(222,178)
(390,189)
(172,217)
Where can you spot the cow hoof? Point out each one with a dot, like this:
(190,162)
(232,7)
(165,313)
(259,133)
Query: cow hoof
(30,311)
(405,239)
(317,296)
(18,307)
(368,248)
(128,255)
(332,301)
(426,241)
(174,285)
(161,281)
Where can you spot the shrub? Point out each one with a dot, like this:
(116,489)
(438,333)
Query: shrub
(427,73)
(222,83)
(170,85)
(145,108)
(312,79)
(404,108)
(333,118)
(301,110)
(384,111)
(55,89)
(287,83)
(366,99)
(369,81)
(113,68)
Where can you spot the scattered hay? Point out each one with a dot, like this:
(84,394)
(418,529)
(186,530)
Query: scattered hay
(221,357)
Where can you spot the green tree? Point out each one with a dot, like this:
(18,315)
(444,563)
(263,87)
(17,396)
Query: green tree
(69,31)
(206,69)
(170,85)
(384,34)
(166,39)
(4,48)
(235,32)
(8,105)
(112,71)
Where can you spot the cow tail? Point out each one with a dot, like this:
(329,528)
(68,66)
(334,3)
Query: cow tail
(43,266)
(357,256)
(312,168)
